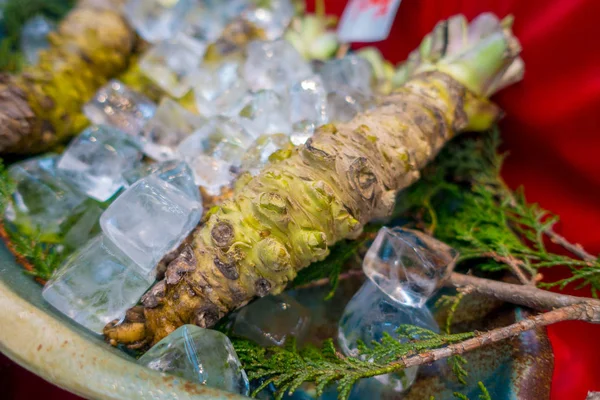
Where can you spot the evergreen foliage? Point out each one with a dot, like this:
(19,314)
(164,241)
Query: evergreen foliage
(287,368)
(15,13)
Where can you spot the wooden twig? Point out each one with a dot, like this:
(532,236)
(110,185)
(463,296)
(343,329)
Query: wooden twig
(514,265)
(576,248)
(584,311)
(522,295)
(342,50)
(325,281)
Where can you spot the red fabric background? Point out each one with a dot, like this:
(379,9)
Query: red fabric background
(552,131)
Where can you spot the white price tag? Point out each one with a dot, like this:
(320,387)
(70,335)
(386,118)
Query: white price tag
(367,20)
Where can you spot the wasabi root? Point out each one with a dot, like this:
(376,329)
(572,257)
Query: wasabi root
(346,175)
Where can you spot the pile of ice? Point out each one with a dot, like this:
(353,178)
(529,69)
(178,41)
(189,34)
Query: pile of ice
(265,88)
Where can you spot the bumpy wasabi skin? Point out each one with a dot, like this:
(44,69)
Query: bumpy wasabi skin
(41,106)
(326,190)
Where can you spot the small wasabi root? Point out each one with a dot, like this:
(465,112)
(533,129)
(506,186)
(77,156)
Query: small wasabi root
(41,106)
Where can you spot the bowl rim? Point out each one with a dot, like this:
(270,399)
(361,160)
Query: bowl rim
(62,355)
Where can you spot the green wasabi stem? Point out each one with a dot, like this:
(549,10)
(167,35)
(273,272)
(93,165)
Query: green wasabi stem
(482,55)
(310,34)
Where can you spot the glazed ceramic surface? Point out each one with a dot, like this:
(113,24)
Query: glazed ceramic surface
(48,344)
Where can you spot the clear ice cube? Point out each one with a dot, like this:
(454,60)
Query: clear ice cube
(175,172)
(301,132)
(149,219)
(351,72)
(116,105)
(308,102)
(199,355)
(266,112)
(211,173)
(274,65)
(257,156)
(369,314)
(273,17)
(42,201)
(271,320)
(342,106)
(221,137)
(34,37)
(171,62)
(156,20)
(204,24)
(170,125)
(95,161)
(219,90)
(85,226)
(408,265)
(96,285)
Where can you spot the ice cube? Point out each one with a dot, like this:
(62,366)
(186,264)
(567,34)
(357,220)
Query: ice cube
(34,37)
(204,24)
(369,314)
(96,285)
(210,173)
(199,355)
(265,113)
(149,219)
(85,226)
(157,20)
(95,161)
(308,102)
(271,320)
(301,132)
(343,106)
(351,72)
(171,62)
(219,90)
(273,17)
(222,138)
(407,265)
(274,65)
(170,125)
(257,156)
(175,172)
(116,105)
(42,201)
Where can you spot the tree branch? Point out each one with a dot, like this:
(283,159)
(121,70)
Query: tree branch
(576,249)
(584,311)
(325,281)
(523,295)
(515,266)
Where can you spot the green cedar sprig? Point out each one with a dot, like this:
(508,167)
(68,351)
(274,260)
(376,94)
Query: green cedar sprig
(287,368)
(463,201)
(44,258)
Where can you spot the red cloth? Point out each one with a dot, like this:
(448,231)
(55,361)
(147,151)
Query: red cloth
(551,130)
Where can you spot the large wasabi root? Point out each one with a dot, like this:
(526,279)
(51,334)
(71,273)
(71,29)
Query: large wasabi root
(289,215)
(42,106)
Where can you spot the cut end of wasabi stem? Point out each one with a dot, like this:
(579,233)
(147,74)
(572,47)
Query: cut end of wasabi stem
(483,55)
